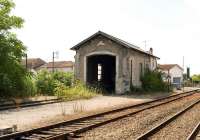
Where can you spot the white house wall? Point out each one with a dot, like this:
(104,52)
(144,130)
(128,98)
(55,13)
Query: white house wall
(176,72)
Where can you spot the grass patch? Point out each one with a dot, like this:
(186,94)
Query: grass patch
(77,91)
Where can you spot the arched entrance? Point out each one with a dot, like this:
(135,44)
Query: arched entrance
(101,70)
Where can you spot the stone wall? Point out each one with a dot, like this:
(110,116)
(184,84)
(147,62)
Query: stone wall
(102,45)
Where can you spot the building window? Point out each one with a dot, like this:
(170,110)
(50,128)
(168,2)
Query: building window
(176,80)
(99,73)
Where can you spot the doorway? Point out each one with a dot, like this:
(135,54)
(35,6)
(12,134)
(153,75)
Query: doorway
(101,71)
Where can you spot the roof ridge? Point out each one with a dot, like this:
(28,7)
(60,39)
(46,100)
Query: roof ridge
(120,41)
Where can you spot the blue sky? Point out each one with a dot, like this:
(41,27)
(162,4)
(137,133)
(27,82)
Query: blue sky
(170,27)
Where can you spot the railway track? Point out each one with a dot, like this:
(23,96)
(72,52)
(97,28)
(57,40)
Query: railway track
(70,129)
(28,104)
(155,130)
(195,134)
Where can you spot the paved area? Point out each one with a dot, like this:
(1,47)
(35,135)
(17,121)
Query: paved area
(26,118)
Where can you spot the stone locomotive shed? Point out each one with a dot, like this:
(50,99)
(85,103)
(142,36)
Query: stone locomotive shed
(111,62)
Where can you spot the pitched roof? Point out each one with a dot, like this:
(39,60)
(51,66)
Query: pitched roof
(33,63)
(117,40)
(59,64)
(168,66)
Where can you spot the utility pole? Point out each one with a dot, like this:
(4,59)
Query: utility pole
(55,55)
(145,44)
(53,62)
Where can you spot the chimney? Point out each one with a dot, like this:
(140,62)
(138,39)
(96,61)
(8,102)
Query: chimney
(151,50)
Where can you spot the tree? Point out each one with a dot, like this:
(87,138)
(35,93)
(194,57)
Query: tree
(196,78)
(12,73)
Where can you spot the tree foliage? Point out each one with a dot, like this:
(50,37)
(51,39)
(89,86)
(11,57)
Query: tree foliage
(12,74)
(46,81)
(196,78)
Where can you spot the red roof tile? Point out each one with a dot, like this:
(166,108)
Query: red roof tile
(59,64)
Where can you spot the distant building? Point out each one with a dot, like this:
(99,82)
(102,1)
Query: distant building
(33,64)
(64,66)
(174,72)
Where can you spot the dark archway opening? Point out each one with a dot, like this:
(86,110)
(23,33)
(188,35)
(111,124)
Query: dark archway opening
(101,71)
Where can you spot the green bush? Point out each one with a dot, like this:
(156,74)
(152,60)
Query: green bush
(78,91)
(30,88)
(64,77)
(46,81)
(27,88)
(152,81)
(60,84)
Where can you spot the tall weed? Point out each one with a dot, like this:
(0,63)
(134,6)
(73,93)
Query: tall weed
(78,91)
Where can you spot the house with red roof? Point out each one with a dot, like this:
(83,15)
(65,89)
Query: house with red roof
(64,66)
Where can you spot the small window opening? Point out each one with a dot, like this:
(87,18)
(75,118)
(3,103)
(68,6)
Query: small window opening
(99,72)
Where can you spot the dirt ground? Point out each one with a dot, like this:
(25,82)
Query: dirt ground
(27,118)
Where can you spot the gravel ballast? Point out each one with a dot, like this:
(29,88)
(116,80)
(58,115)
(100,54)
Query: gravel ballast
(181,127)
(31,117)
(133,126)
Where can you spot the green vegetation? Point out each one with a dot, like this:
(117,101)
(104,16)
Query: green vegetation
(78,91)
(196,78)
(152,81)
(13,76)
(30,88)
(60,84)
(15,81)
(46,81)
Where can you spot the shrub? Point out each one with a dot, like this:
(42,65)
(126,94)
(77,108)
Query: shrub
(152,81)
(46,81)
(64,77)
(78,91)
(23,88)
(30,88)
(60,84)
